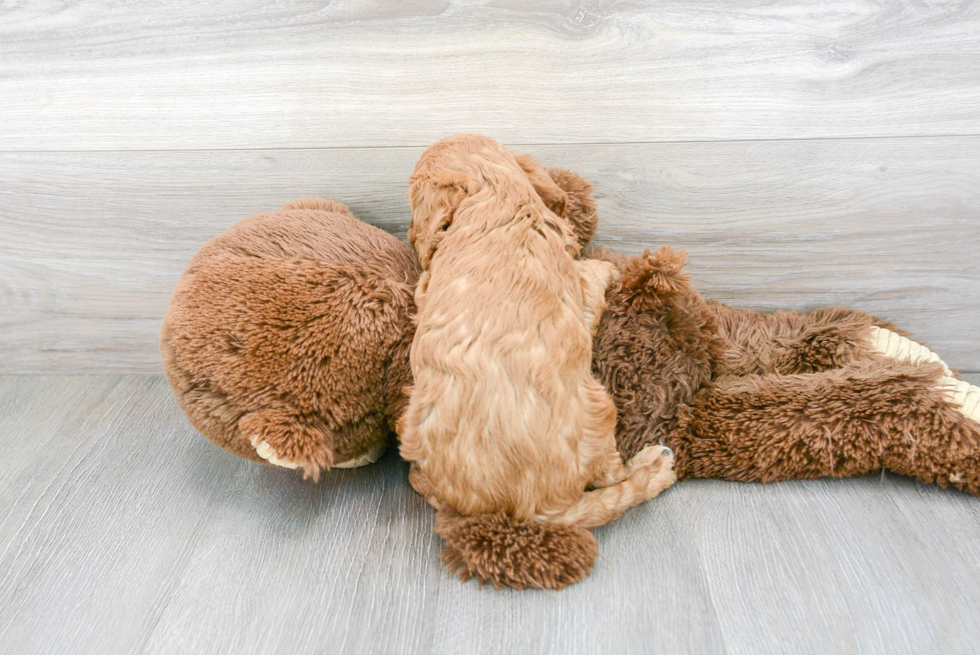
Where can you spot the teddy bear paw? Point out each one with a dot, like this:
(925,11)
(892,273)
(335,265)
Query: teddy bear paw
(311,460)
(282,439)
(902,349)
(266,452)
(964,396)
(370,457)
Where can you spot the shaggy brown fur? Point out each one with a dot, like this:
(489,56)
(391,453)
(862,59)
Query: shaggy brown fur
(737,394)
(657,345)
(764,397)
(495,549)
(848,421)
(505,415)
(292,329)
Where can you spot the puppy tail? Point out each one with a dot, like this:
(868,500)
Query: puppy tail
(647,474)
(496,549)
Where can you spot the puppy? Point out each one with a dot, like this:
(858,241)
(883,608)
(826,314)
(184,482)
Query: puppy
(506,426)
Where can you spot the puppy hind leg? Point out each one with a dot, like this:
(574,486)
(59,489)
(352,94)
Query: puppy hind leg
(612,472)
(423,486)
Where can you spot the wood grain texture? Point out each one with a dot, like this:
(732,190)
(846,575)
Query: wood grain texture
(88,75)
(93,243)
(123,531)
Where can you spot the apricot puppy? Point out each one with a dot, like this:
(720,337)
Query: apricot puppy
(506,426)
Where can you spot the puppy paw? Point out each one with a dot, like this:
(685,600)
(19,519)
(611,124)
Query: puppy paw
(606,273)
(658,463)
(656,455)
(598,274)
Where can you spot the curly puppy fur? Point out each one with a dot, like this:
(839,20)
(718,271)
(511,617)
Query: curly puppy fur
(505,415)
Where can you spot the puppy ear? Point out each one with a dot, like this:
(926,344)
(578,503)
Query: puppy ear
(580,208)
(553,196)
(434,201)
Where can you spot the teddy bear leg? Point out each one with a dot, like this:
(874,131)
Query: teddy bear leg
(907,418)
(284,439)
(789,342)
(941,443)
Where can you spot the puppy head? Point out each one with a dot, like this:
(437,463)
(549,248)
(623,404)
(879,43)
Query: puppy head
(461,166)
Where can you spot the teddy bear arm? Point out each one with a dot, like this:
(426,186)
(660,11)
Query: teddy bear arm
(858,419)
(284,438)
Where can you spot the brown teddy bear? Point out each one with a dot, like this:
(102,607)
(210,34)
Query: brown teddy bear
(287,341)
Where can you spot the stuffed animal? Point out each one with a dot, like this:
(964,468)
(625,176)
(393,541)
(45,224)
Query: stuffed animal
(287,341)
(287,337)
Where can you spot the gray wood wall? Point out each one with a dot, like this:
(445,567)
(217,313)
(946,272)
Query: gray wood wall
(805,154)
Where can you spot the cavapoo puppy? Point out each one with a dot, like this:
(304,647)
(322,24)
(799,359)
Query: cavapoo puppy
(506,427)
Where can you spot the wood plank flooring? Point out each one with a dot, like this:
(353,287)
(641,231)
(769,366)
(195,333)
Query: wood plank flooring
(123,531)
(221,75)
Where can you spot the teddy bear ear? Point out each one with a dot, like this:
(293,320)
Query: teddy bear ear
(319,204)
(657,274)
(554,196)
(580,207)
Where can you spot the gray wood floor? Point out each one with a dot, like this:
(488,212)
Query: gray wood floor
(123,531)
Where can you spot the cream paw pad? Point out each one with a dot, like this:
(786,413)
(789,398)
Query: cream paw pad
(962,394)
(902,349)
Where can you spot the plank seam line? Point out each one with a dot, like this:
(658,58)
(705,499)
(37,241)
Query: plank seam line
(508,143)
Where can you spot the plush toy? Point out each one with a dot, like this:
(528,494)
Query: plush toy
(287,342)
(287,337)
